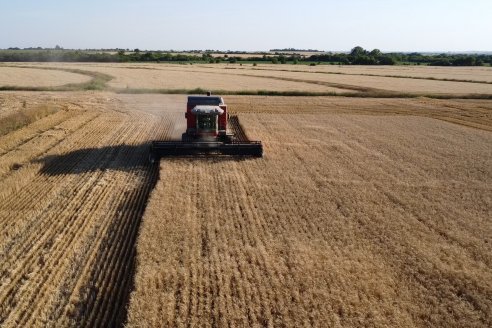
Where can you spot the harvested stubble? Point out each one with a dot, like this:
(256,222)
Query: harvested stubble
(74,185)
(385,220)
(349,220)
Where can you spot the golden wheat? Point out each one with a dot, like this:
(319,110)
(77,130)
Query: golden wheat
(348,220)
(73,188)
(321,78)
(31,77)
(462,73)
(363,211)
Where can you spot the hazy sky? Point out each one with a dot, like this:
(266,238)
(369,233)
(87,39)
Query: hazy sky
(400,25)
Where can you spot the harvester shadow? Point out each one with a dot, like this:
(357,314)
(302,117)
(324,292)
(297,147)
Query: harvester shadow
(134,160)
(143,177)
(127,158)
(119,157)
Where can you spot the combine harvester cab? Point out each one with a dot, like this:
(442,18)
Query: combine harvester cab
(208,132)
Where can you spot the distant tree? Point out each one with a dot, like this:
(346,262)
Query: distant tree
(465,61)
(274,60)
(387,60)
(357,51)
(206,56)
(136,50)
(148,56)
(441,62)
(365,60)
(375,53)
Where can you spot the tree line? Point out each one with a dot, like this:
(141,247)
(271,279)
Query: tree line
(360,56)
(357,56)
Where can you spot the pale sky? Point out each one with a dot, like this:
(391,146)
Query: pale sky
(390,25)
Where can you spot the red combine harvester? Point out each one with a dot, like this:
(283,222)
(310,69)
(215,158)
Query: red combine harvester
(207,132)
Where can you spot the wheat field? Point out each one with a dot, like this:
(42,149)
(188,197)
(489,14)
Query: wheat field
(363,211)
(382,83)
(184,78)
(29,77)
(477,113)
(291,78)
(74,185)
(437,72)
(128,77)
(349,220)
